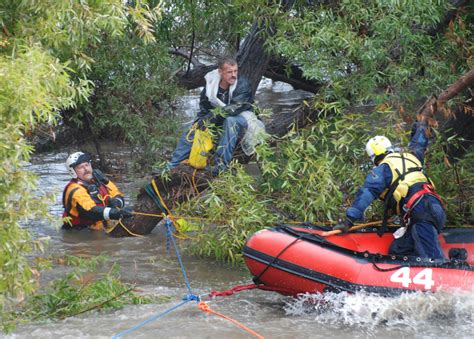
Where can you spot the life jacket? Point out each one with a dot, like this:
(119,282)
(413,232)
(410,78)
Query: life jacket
(98,194)
(406,171)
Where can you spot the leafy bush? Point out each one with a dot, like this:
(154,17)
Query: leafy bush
(78,292)
(231,211)
(314,172)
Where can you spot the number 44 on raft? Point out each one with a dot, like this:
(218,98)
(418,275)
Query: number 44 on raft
(424,277)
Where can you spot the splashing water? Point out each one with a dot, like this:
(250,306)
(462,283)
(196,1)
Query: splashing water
(409,313)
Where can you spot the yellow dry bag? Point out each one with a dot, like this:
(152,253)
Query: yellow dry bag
(201,147)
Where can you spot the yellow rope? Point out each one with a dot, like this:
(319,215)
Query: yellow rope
(193,128)
(181,234)
(161,215)
(194,182)
(109,230)
(129,232)
(153,183)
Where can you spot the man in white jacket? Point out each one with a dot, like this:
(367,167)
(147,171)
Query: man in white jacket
(233,94)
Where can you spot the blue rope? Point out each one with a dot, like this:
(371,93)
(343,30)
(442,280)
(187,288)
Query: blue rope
(169,226)
(168,240)
(151,319)
(187,298)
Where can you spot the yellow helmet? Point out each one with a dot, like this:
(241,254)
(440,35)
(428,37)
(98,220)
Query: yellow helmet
(378,145)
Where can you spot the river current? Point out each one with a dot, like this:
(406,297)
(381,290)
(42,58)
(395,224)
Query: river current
(145,262)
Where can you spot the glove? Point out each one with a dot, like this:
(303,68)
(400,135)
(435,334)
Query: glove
(116,202)
(200,124)
(117,214)
(344,225)
(100,177)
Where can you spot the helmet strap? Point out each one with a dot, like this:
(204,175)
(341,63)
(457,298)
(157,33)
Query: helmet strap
(379,158)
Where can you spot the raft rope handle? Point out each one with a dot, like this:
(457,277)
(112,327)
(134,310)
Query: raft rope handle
(380,269)
(205,308)
(256,280)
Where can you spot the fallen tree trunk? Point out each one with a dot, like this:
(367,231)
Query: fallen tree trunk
(184,182)
(435,106)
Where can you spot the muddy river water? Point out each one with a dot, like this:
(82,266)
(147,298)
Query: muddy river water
(144,261)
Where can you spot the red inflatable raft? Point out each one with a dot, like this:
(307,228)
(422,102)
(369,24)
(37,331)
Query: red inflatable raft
(294,260)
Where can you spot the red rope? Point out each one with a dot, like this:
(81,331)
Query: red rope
(239,288)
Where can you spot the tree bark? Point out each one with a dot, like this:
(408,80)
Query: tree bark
(279,70)
(276,70)
(436,104)
(460,124)
(252,58)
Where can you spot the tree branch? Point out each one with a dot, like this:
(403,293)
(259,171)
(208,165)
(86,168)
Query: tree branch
(184,54)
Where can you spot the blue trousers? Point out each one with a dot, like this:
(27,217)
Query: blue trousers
(421,238)
(232,129)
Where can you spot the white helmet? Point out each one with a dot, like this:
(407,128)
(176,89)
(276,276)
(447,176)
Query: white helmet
(75,159)
(378,145)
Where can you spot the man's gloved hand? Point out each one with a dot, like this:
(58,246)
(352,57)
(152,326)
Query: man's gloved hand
(230,110)
(201,124)
(100,177)
(343,225)
(116,202)
(117,214)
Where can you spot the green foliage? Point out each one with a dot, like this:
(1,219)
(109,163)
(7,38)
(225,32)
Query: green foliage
(377,50)
(312,175)
(133,96)
(78,292)
(314,172)
(216,25)
(232,210)
(454,180)
(42,46)
(34,86)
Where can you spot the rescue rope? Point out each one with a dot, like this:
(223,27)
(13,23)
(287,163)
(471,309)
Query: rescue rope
(125,228)
(157,191)
(187,298)
(154,194)
(193,181)
(155,317)
(168,225)
(110,229)
(205,308)
(240,288)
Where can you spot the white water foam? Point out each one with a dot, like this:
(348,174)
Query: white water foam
(409,313)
